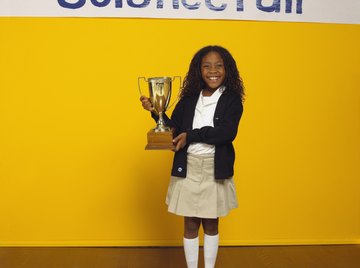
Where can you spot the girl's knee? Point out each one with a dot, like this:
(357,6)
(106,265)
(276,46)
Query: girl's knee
(191,227)
(211,226)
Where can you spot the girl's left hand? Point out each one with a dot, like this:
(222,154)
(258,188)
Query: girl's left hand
(180,141)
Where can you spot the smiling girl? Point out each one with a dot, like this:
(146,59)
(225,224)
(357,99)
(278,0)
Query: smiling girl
(205,123)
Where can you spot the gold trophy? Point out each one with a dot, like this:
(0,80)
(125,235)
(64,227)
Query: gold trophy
(160,137)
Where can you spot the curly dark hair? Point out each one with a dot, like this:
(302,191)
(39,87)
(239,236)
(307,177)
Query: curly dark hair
(193,82)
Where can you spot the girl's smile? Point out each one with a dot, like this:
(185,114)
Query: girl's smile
(212,71)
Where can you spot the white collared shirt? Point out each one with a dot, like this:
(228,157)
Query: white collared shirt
(204,116)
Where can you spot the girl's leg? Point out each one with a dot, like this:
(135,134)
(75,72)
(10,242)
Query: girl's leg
(191,227)
(191,241)
(211,241)
(211,226)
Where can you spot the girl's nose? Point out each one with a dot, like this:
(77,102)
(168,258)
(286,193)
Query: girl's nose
(213,69)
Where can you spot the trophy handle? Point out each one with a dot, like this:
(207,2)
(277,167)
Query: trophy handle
(139,87)
(178,96)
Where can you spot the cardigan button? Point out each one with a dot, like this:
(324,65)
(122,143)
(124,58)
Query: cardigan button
(180,169)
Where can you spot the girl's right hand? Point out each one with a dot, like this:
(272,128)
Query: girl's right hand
(146,103)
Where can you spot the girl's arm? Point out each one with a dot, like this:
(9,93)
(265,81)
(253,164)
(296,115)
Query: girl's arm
(224,130)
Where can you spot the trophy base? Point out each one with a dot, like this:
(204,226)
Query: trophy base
(160,140)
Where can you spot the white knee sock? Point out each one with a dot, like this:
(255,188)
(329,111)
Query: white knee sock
(191,248)
(211,245)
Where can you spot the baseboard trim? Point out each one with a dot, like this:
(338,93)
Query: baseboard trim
(173,243)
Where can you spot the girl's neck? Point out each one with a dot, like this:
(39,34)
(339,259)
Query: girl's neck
(207,92)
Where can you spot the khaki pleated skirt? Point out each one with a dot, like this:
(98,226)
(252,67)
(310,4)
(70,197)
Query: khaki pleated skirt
(200,194)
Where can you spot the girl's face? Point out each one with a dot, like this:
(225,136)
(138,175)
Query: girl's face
(212,70)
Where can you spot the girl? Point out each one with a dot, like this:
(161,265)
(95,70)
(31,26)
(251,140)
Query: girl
(205,122)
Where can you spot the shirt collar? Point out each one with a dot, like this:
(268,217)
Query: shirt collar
(214,97)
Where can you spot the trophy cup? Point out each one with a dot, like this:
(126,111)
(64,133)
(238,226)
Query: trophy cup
(160,137)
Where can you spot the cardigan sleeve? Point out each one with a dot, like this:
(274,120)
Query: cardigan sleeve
(225,126)
(177,115)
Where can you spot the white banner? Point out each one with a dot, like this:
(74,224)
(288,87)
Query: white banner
(326,11)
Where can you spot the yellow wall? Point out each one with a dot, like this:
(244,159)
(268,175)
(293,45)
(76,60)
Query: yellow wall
(73,170)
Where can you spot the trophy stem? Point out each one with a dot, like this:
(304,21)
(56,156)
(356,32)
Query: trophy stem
(161,124)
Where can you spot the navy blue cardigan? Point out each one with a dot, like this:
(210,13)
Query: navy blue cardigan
(226,121)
